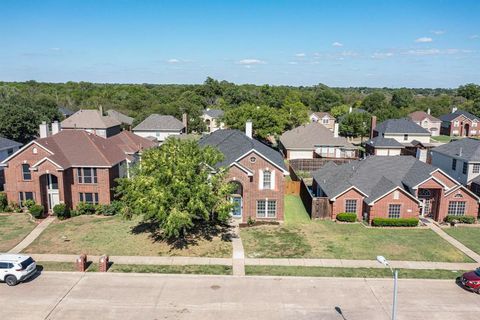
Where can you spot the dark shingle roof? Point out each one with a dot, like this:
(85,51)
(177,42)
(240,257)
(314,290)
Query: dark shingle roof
(467,149)
(7,143)
(66,112)
(449,117)
(214,113)
(234,143)
(156,122)
(399,126)
(381,142)
(374,175)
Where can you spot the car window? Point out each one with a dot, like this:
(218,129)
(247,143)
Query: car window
(4,265)
(477,272)
(26,263)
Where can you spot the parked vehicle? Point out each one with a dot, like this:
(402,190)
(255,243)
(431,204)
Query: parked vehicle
(471,280)
(15,268)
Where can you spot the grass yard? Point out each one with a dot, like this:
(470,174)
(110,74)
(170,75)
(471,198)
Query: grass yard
(13,228)
(445,139)
(469,236)
(96,235)
(349,272)
(301,238)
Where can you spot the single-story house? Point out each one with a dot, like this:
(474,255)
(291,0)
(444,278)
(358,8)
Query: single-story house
(392,187)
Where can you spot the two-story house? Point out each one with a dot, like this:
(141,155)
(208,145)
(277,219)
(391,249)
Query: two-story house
(392,187)
(212,117)
(460,123)
(324,118)
(426,121)
(7,148)
(257,171)
(92,121)
(71,166)
(159,127)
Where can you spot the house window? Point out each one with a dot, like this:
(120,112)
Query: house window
(266,209)
(22,196)
(325,120)
(351,206)
(27,175)
(267,179)
(405,137)
(465,168)
(89,197)
(10,151)
(454,164)
(394,211)
(87,175)
(456,123)
(474,124)
(253,159)
(476,168)
(456,208)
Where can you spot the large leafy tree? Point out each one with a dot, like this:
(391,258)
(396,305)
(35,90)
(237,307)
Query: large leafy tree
(295,112)
(174,188)
(355,124)
(402,98)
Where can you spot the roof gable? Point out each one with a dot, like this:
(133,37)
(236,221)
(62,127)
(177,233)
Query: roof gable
(89,119)
(311,136)
(157,122)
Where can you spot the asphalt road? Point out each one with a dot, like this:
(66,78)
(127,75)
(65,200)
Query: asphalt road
(72,296)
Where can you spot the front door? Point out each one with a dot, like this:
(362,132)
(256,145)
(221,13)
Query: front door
(237,206)
(52,191)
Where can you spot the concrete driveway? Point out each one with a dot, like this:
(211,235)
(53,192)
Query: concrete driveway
(55,295)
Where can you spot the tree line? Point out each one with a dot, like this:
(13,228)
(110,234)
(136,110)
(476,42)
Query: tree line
(274,109)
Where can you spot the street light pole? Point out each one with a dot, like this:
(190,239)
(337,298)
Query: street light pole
(384,261)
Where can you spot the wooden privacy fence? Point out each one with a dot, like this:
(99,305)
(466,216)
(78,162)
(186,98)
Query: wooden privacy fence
(292,187)
(314,164)
(317,207)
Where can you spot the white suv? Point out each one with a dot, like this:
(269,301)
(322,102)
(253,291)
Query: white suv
(15,268)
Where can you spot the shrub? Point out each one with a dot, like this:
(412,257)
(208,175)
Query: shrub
(28,203)
(109,209)
(347,217)
(37,211)
(3,201)
(460,219)
(250,221)
(15,207)
(61,211)
(86,208)
(400,222)
(74,213)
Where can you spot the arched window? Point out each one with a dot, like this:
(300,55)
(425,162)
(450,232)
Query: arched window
(424,193)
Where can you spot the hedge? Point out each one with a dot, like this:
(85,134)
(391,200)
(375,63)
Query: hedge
(347,217)
(400,222)
(36,210)
(460,219)
(61,211)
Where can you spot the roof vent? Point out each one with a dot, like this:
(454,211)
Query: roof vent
(460,152)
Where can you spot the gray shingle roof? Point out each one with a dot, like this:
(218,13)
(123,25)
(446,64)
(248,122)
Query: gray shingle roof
(120,117)
(157,122)
(381,142)
(374,175)
(234,143)
(400,126)
(7,143)
(449,117)
(466,148)
(66,112)
(311,136)
(214,113)
(89,119)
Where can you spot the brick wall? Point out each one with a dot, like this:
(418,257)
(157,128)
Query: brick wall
(409,207)
(471,204)
(339,205)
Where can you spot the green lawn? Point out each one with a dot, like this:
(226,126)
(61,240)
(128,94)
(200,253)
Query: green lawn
(13,228)
(301,238)
(469,236)
(445,139)
(349,272)
(96,235)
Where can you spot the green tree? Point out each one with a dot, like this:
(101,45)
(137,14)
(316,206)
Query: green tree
(325,98)
(173,188)
(340,110)
(374,102)
(402,98)
(355,124)
(469,91)
(295,112)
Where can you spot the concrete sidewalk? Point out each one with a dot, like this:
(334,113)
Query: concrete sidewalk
(32,235)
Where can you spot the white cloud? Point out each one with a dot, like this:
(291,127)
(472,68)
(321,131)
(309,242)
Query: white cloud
(173,61)
(474,36)
(300,55)
(55,49)
(382,55)
(434,52)
(292,62)
(438,32)
(424,39)
(251,61)
(337,44)
(349,54)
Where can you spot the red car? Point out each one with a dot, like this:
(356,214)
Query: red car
(471,280)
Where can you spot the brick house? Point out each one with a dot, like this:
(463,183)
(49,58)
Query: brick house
(460,123)
(324,118)
(70,167)
(7,148)
(392,187)
(426,121)
(257,171)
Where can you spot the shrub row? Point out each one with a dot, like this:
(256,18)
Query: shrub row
(347,217)
(400,222)
(460,219)
(99,209)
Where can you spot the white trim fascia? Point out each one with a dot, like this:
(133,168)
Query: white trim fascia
(371,203)
(463,188)
(46,159)
(246,170)
(334,198)
(445,187)
(285,172)
(23,148)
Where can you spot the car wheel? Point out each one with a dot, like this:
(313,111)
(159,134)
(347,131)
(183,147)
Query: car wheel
(478,291)
(11,280)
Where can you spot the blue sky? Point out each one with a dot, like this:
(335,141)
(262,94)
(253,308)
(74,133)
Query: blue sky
(339,43)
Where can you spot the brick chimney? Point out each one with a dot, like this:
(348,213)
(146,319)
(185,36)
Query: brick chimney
(249,128)
(373,125)
(185,121)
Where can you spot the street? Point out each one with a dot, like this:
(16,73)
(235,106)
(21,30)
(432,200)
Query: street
(55,295)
